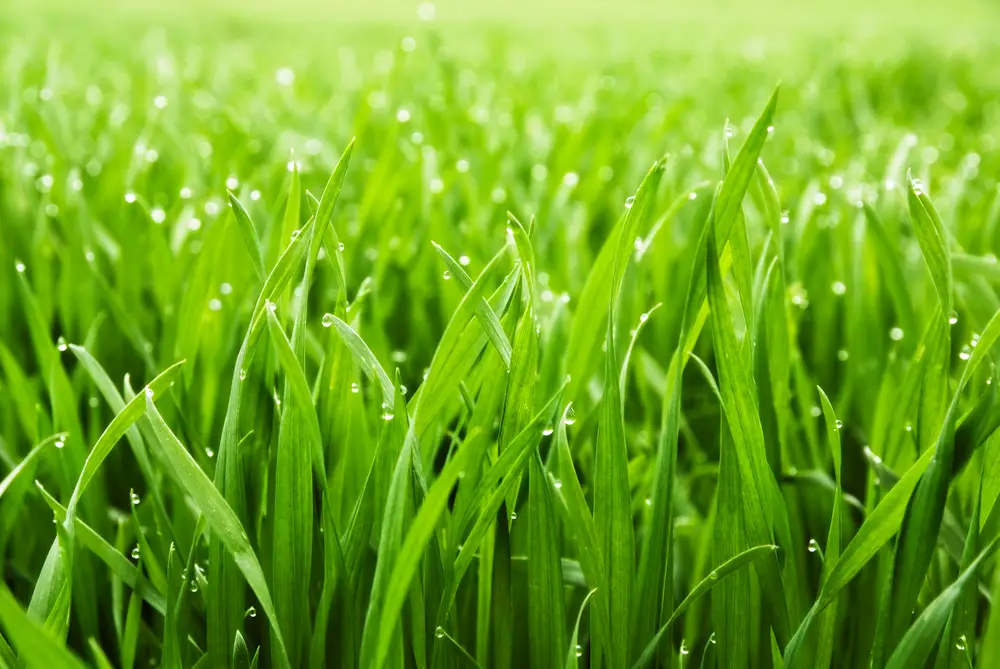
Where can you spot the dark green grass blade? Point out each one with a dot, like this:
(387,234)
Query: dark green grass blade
(717,576)
(885,520)
(918,642)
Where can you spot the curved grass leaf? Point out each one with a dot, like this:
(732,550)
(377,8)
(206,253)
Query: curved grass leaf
(37,647)
(219,515)
(918,642)
(717,575)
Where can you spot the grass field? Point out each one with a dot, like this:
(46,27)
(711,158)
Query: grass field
(533,334)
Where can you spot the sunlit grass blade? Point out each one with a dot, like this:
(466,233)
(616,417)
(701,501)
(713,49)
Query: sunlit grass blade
(483,311)
(249,234)
(739,399)
(603,280)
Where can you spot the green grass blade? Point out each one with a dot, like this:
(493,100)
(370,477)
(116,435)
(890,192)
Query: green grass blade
(224,523)
(546,613)
(828,619)
(37,648)
(574,652)
(486,315)
(26,463)
(739,399)
(612,512)
(249,234)
(918,642)
(366,360)
(717,576)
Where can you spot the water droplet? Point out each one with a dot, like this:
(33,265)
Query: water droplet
(251,612)
(714,575)
(209,452)
(965,353)
(711,638)
(547,430)
(403,389)
(784,218)
(19,266)
(569,416)
(61,344)
(557,484)
(842,355)
(439,632)
(215,304)
(962,643)
(327,320)
(838,288)
(285,76)
(387,413)
(340,246)
(815,411)
(513,515)
(838,424)
(270,306)
(135,552)
(446,276)
(426,11)
(896,334)
(813,546)
(629,202)
(953,319)
(194,585)
(135,498)
(355,388)
(130,197)
(579,650)
(909,426)
(243,374)
(295,234)
(684,648)
(403,115)
(649,501)
(158,215)
(61,441)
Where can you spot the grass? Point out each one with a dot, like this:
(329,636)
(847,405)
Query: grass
(444,344)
